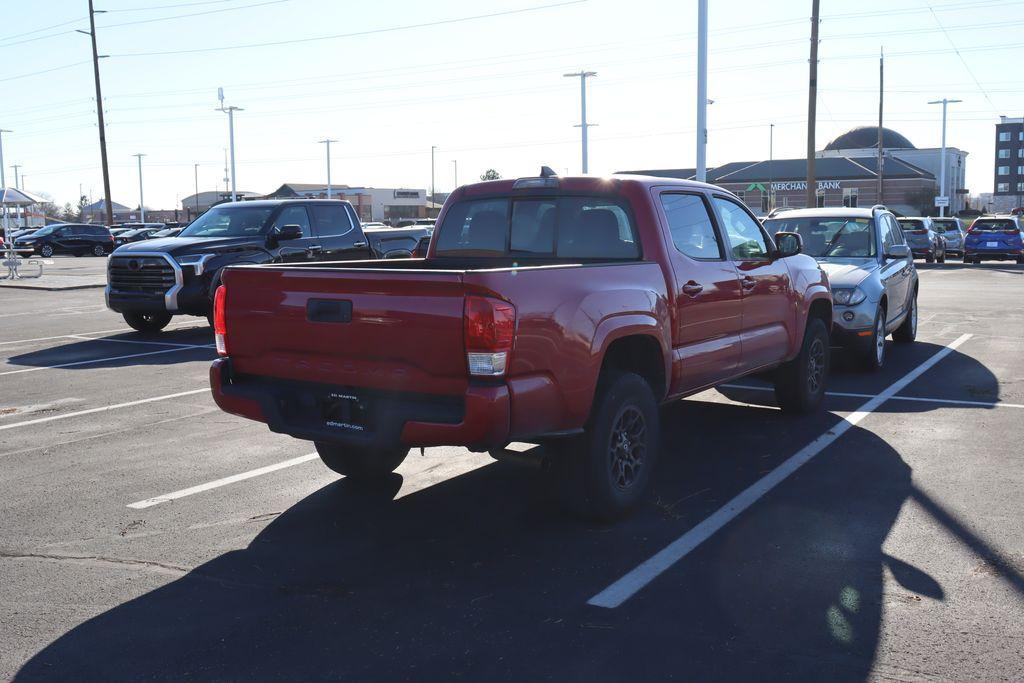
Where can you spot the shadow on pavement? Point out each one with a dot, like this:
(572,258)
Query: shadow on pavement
(123,350)
(479,577)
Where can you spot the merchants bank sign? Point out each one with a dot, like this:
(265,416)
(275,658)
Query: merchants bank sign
(801,185)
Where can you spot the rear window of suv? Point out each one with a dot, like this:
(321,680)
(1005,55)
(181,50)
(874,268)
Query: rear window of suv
(539,227)
(993,225)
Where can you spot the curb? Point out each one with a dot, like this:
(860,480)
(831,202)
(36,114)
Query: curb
(51,289)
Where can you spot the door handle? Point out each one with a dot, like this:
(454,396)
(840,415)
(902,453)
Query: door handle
(314,248)
(692,288)
(359,245)
(748,283)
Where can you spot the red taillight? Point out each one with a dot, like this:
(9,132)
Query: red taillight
(490,326)
(220,328)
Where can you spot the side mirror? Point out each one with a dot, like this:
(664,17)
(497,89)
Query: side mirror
(289,232)
(788,244)
(898,252)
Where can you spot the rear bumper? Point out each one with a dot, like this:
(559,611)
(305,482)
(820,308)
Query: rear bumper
(996,254)
(479,419)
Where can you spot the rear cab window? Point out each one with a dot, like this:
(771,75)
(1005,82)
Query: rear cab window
(548,227)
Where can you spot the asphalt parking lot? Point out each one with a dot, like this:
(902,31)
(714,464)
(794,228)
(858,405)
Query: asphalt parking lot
(147,535)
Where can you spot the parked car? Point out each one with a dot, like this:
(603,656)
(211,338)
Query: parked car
(871,270)
(558,311)
(996,238)
(149,282)
(923,240)
(137,234)
(375,224)
(952,232)
(409,222)
(13,235)
(68,238)
(167,232)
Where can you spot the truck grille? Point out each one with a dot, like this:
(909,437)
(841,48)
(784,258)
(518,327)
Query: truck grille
(146,274)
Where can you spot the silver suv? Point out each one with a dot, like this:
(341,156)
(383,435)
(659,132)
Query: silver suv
(871,270)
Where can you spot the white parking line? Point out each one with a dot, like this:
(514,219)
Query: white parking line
(133,341)
(194,323)
(844,394)
(102,409)
(150,502)
(627,586)
(99,360)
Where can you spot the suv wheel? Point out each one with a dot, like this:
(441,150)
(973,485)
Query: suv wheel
(942,257)
(871,350)
(361,464)
(46,251)
(98,250)
(907,331)
(605,473)
(147,322)
(800,383)
(929,257)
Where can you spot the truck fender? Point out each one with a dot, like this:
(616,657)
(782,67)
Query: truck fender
(615,327)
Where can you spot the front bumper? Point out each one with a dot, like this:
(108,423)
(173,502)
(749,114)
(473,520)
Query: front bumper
(188,294)
(850,323)
(479,419)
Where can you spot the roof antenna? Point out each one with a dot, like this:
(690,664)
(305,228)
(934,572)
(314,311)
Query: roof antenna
(547,172)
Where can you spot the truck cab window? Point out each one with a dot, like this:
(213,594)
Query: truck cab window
(331,220)
(690,226)
(746,240)
(294,215)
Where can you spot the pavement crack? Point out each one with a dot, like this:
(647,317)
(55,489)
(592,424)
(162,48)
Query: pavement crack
(100,561)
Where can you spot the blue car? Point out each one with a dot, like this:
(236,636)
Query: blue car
(994,238)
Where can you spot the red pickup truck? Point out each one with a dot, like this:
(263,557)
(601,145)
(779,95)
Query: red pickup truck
(559,311)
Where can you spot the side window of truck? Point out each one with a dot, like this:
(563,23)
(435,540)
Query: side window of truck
(690,226)
(294,215)
(746,241)
(331,220)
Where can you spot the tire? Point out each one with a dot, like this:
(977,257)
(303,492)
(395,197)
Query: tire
(870,352)
(98,250)
(906,333)
(800,383)
(361,464)
(1020,259)
(929,257)
(46,251)
(604,474)
(941,259)
(147,322)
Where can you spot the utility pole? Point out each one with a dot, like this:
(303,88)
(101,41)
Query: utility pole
(328,142)
(702,90)
(583,125)
(812,107)
(3,178)
(455,173)
(142,206)
(942,172)
(433,148)
(879,191)
(230,111)
(196,171)
(771,169)
(17,186)
(99,112)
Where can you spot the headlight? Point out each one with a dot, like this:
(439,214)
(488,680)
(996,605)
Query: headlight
(197,261)
(848,297)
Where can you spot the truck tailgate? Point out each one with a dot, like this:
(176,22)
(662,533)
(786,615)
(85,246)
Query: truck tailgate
(392,331)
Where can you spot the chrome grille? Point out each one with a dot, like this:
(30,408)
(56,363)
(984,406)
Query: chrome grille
(146,274)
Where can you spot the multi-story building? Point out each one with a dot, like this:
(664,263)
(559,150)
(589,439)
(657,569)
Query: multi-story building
(1009,165)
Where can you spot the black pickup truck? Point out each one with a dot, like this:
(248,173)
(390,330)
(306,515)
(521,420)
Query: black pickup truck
(149,282)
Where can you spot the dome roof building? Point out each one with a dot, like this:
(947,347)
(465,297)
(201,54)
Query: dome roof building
(866,137)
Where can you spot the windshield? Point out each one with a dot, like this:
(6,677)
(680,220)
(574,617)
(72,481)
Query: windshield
(911,224)
(830,237)
(46,231)
(230,221)
(992,226)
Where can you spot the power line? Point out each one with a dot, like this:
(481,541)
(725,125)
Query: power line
(44,71)
(193,14)
(356,34)
(961,57)
(174,6)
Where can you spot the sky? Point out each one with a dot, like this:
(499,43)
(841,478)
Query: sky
(483,82)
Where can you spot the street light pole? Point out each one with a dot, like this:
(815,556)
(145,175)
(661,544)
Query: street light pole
(771,159)
(328,142)
(942,157)
(142,206)
(433,148)
(455,172)
(3,178)
(17,186)
(196,171)
(230,111)
(702,90)
(583,125)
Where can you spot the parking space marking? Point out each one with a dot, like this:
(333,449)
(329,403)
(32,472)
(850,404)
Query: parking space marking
(147,343)
(192,490)
(102,409)
(921,399)
(98,360)
(74,334)
(640,576)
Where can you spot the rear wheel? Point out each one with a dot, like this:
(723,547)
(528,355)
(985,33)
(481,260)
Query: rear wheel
(147,322)
(929,257)
(800,383)
(942,257)
(870,352)
(46,251)
(98,250)
(361,464)
(907,331)
(605,473)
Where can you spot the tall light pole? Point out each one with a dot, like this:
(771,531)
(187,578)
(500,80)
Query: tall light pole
(942,158)
(3,178)
(230,111)
(455,173)
(195,170)
(99,111)
(771,169)
(880,190)
(142,206)
(433,148)
(702,90)
(583,125)
(328,141)
(17,186)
